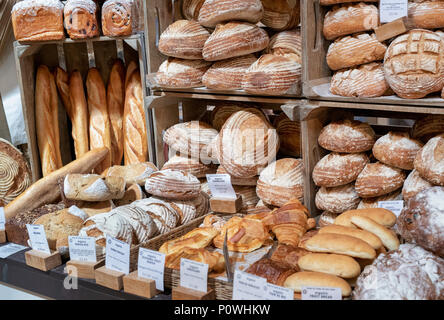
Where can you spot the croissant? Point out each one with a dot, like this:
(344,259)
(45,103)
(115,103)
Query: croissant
(197,238)
(215,260)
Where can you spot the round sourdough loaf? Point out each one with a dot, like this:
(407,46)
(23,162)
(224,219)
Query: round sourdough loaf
(428,127)
(133,192)
(337,199)
(191,209)
(415,80)
(181,73)
(132,173)
(281,181)
(191,8)
(373,202)
(337,169)
(281,14)
(426,14)
(287,43)
(235,181)
(289,135)
(364,81)
(378,179)
(397,149)
(142,223)
(234,39)
(354,50)
(326,218)
(190,165)
(214,12)
(173,184)
(183,39)
(347,136)
(223,110)
(413,185)
(429,161)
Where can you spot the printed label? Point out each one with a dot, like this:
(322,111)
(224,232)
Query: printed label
(2,218)
(82,249)
(117,255)
(321,293)
(220,186)
(37,237)
(151,265)
(390,10)
(248,287)
(274,292)
(394,206)
(10,249)
(193,275)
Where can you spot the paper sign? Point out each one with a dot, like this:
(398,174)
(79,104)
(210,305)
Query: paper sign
(151,265)
(2,218)
(193,275)
(274,292)
(321,293)
(10,249)
(37,237)
(248,287)
(394,206)
(390,10)
(117,255)
(82,248)
(220,186)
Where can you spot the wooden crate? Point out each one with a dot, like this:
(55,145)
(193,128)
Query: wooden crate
(315,115)
(70,55)
(316,74)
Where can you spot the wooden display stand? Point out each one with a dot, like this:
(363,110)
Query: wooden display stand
(2,236)
(226,205)
(43,261)
(181,293)
(138,286)
(392,29)
(109,278)
(85,269)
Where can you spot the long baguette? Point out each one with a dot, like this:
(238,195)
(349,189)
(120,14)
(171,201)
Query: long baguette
(79,114)
(46,190)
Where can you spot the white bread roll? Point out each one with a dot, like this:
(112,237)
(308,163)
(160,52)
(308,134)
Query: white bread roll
(429,161)
(337,199)
(387,236)
(181,73)
(330,263)
(380,215)
(364,235)
(302,279)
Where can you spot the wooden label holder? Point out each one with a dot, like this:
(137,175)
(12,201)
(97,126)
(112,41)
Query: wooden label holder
(2,236)
(43,261)
(138,286)
(109,278)
(392,29)
(226,205)
(85,270)
(182,293)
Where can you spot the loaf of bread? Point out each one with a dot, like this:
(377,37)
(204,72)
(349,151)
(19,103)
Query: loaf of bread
(93,208)
(348,136)
(134,173)
(234,39)
(414,184)
(213,12)
(81,19)
(326,218)
(120,18)
(173,184)
(415,80)
(289,135)
(364,81)
(337,199)
(350,18)
(337,169)
(38,20)
(191,209)
(367,236)
(235,181)
(373,202)
(92,187)
(429,161)
(380,215)
(190,165)
(191,8)
(333,2)
(223,110)
(181,73)
(132,193)
(213,259)
(428,127)
(287,43)
(142,223)
(330,263)
(281,14)
(302,279)
(427,14)
(275,272)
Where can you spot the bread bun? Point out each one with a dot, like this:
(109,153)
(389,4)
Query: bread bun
(334,264)
(181,73)
(289,135)
(429,161)
(173,184)
(373,202)
(388,237)
(337,199)
(281,14)
(380,215)
(428,127)
(414,184)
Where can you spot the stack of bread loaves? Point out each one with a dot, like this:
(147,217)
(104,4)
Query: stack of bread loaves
(216,47)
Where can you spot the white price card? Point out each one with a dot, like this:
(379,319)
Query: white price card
(82,248)
(37,237)
(321,293)
(151,265)
(2,218)
(248,287)
(274,292)
(10,249)
(390,10)
(193,275)
(117,255)
(220,186)
(394,206)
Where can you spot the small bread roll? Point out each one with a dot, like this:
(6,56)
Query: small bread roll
(335,264)
(337,199)
(368,237)
(380,215)
(388,237)
(316,279)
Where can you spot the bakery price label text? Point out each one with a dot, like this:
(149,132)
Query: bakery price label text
(223,309)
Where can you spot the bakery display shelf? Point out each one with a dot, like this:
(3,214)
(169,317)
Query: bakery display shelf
(316,74)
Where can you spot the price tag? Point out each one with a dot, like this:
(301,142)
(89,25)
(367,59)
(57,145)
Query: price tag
(151,265)
(37,237)
(394,206)
(321,293)
(248,287)
(193,275)
(274,292)
(10,249)
(220,186)
(82,248)
(390,10)
(2,218)
(117,255)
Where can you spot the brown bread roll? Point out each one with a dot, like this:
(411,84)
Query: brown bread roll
(180,73)
(429,161)
(330,263)
(80,17)
(364,235)
(414,184)
(373,202)
(337,199)
(427,14)
(387,236)
(289,135)
(428,127)
(281,14)
(380,215)
(302,279)
(287,43)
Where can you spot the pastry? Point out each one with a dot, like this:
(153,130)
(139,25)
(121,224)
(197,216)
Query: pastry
(173,184)
(388,237)
(288,254)
(92,187)
(281,14)
(364,235)
(119,18)
(214,260)
(275,272)
(428,127)
(289,135)
(181,73)
(302,279)
(190,165)
(337,199)
(380,215)
(330,263)
(429,161)
(197,238)
(133,173)
(80,17)
(288,44)
(413,185)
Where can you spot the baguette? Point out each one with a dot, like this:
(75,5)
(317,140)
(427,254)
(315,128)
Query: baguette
(46,190)
(55,118)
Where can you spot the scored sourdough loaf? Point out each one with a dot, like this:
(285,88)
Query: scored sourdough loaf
(427,14)
(428,127)
(173,184)
(191,8)
(380,215)
(354,50)
(335,264)
(281,181)
(223,110)
(302,279)
(142,223)
(378,179)
(326,218)
(234,39)
(337,169)
(190,165)
(80,18)
(387,236)
(429,161)
(289,135)
(183,39)
(213,12)
(281,14)
(350,18)
(414,184)
(397,149)
(347,136)
(133,192)
(337,199)
(235,181)
(92,187)
(373,202)
(181,73)
(191,209)
(364,235)
(287,43)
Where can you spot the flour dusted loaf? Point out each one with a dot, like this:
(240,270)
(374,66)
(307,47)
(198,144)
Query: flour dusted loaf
(223,110)
(191,8)
(414,184)
(37,20)
(281,14)
(413,64)
(354,50)
(234,39)
(92,187)
(429,161)
(287,43)
(337,199)
(348,136)
(191,209)
(350,18)
(363,81)
(326,218)
(428,127)
(426,14)
(336,169)
(190,165)
(173,184)
(133,173)
(235,181)
(378,179)
(213,12)
(183,39)
(397,149)
(373,202)
(181,73)
(281,181)
(289,135)
(80,18)
(333,2)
